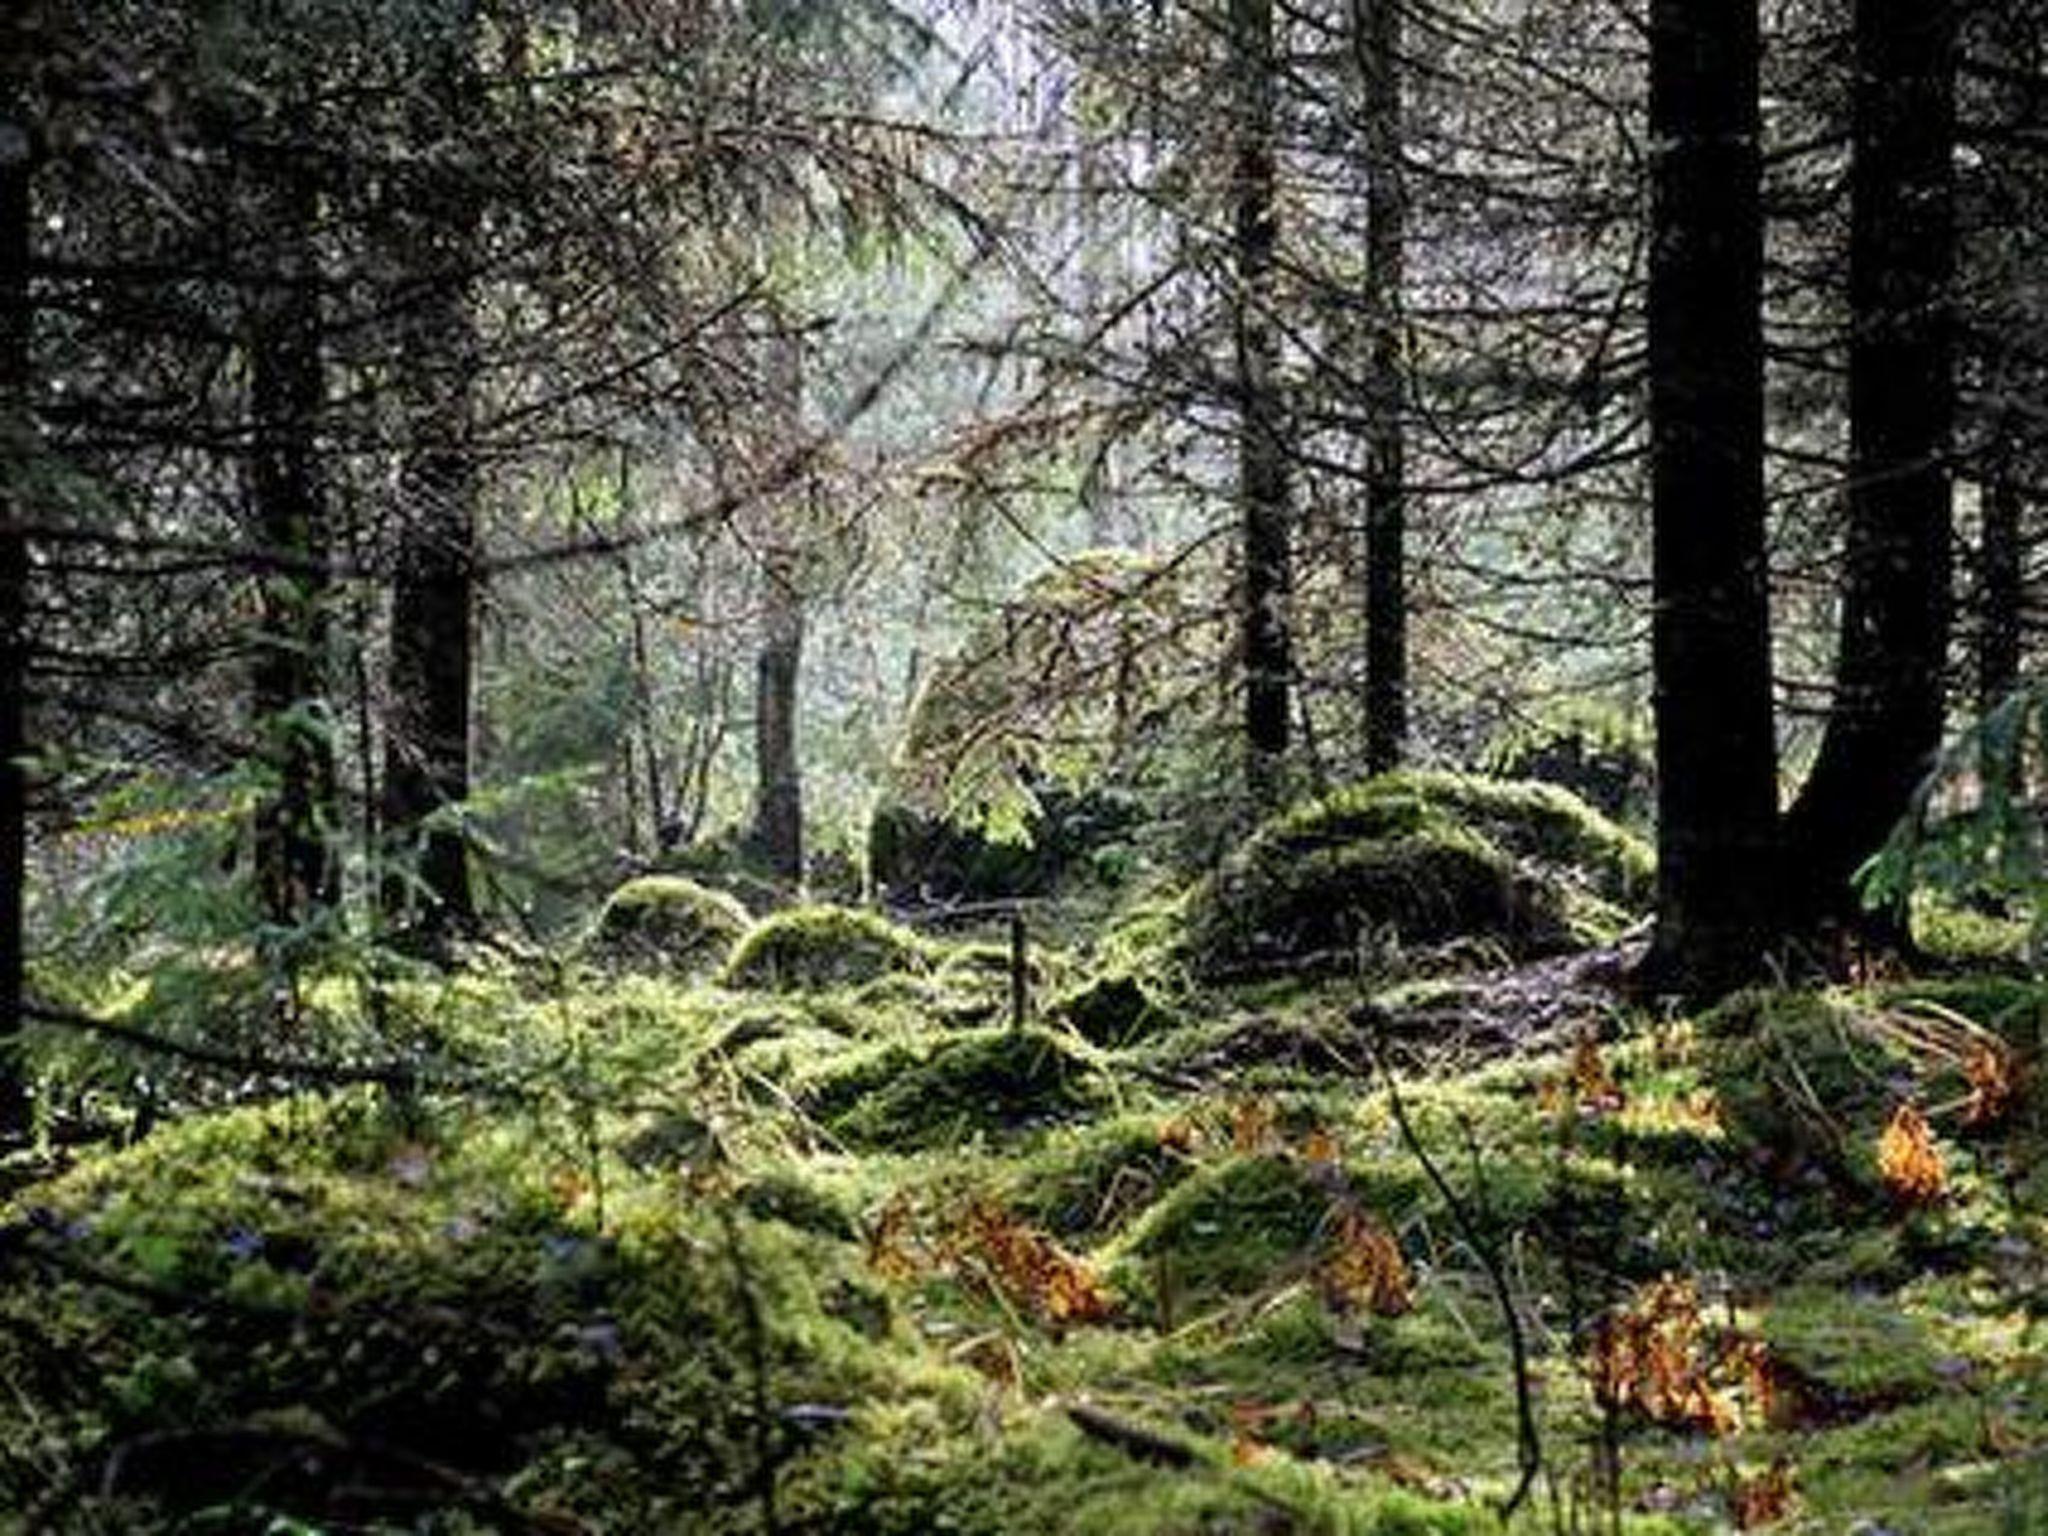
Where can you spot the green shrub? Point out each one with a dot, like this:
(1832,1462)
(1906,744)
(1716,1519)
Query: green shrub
(667,923)
(807,948)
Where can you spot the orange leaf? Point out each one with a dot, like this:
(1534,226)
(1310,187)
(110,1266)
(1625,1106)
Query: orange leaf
(1994,1074)
(1363,1268)
(1251,1125)
(1909,1161)
(1320,1147)
(1762,1500)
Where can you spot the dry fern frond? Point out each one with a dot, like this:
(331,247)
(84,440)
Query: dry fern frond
(1909,1161)
(1362,1268)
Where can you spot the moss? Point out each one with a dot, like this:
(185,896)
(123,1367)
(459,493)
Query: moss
(1418,859)
(981,1081)
(668,924)
(1860,1349)
(354,1282)
(1232,1228)
(1277,907)
(1543,824)
(1089,1180)
(1115,1009)
(814,947)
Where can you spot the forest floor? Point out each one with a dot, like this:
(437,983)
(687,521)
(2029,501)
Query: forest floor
(1400,1252)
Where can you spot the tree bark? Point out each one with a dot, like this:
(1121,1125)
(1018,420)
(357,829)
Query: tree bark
(2001,591)
(1885,724)
(297,874)
(1378,37)
(779,801)
(433,603)
(17,438)
(1716,758)
(1263,478)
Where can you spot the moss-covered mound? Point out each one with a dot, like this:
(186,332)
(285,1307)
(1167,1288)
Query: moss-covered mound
(975,1082)
(313,1317)
(667,924)
(1416,859)
(1231,1228)
(1116,1008)
(807,948)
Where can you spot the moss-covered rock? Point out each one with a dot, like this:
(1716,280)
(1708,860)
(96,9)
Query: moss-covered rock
(1115,1009)
(667,924)
(974,1082)
(807,948)
(1413,859)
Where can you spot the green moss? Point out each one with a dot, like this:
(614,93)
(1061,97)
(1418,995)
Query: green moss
(1417,859)
(975,1082)
(667,924)
(347,1280)
(813,947)
(1233,1227)
(1328,905)
(1860,1348)
(1115,1009)
(1089,1180)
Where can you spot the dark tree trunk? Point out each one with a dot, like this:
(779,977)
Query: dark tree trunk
(1885,725)
(1378,35)
(427,745)
(779,801)
(1263,493)
(296,871)
(2001,591)
(1716,758)
(433,600)
(17,438)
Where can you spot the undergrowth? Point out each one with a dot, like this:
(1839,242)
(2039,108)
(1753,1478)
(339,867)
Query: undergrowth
(834,1246)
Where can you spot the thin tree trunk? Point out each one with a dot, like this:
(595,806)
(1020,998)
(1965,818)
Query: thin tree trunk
(778,832)
(1263,489)
(779,803)
(1885,725)
(17,437)
(1716,759)
(1378,37)
(297,873)
(433,601)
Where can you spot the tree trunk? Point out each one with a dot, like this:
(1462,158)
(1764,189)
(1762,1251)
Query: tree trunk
(1716,759)
(1263,493)
(779,803)
(297,874)
(433,600)
(17,439)
(1885,725)
(2001,591)
(1377,33)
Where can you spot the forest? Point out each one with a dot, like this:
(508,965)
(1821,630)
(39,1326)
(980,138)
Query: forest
(1013,766)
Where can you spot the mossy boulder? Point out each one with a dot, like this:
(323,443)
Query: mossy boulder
(1415,859)
(809,948)
(667,924)
(1115,1009)
(974,1082)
